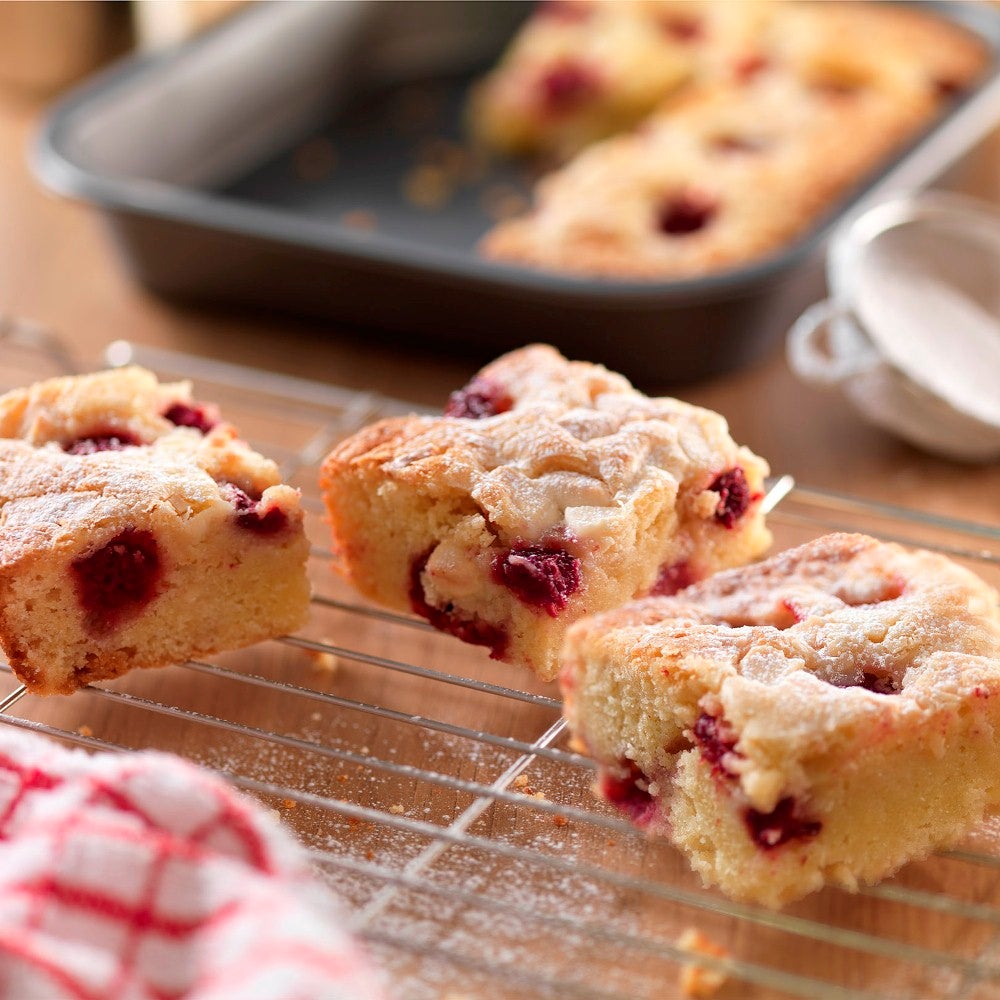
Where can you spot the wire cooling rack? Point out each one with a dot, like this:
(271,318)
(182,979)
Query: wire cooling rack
(438,794)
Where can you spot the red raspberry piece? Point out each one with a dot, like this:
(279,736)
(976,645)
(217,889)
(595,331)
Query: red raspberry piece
(749,66)
(573,11)
(685,213)
(105,440)
(119,579)
(731,143)
(200,416)
(479,633)
(683,29)
(540,576)
(734,496)
(948,89)
(482,397)
(673,578)
(780,825)
(566,86)
(248,513)
(878,684)
(715,739)
(629,794)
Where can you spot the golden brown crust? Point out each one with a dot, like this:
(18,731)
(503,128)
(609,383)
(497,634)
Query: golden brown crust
(823,672)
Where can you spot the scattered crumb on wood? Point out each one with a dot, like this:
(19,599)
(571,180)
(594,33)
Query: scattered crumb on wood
(501,201)
(323,659)
(427,187)
(314,160)
(397,810)
(359,218)
(461,163)
(696,981)
(522,785)
(445,154)
(85,730)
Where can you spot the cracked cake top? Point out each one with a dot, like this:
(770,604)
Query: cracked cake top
(539,443)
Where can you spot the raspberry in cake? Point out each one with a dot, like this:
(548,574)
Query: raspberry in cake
(138,530)
(550,490)
(821,717)
(577,72)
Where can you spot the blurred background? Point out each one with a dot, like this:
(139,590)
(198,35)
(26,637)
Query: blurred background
(163,242)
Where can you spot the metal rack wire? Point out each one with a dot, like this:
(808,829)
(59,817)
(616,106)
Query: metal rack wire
(440,798)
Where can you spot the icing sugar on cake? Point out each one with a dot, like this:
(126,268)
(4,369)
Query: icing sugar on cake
(820,717)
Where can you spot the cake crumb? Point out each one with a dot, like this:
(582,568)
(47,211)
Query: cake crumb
(316,716)
(397,810)
(540,796)
(364,750)
(696,981)
(560,821)
(323,659)
(289,803)
(520,781)
(315,159)
(451,157)
(427,187)
(85,730)
(501,201)
(359,218)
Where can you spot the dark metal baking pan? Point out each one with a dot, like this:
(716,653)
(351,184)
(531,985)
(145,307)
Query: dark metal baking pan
(225,169)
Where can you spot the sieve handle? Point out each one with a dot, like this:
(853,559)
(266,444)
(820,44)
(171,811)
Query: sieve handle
(818,357)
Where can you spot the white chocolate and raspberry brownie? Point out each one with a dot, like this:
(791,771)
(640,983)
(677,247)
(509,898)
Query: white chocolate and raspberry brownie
(136,530)
(739,164)
(821,717)
(548,491)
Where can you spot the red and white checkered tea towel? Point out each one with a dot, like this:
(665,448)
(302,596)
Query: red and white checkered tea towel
(141,877)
